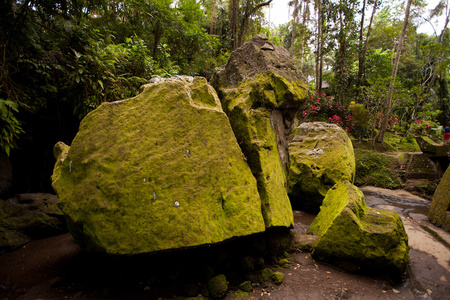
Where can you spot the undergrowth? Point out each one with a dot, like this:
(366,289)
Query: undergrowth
(401,143)
(376,169)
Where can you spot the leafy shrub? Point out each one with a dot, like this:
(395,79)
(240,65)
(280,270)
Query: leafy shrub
(9,126)
(361,121)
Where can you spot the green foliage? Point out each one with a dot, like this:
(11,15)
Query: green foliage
(10,126)
(361,121)
(107,72)
(377,169)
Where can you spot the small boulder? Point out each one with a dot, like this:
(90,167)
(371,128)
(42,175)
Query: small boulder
(439,213)
(261,91)
(27,217)
(159,171)
(357,237)
(321,155)
(218,286)
(277,278)
(246,286)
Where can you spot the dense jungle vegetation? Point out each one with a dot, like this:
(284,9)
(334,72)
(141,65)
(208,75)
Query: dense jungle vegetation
(369,69)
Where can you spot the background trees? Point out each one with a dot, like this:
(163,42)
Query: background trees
(355,43)
(60,59)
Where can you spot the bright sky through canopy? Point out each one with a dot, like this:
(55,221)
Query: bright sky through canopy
(280,13)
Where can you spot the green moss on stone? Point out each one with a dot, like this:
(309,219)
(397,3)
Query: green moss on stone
(250,106)
(159,171)
(439,213)
(218,286)
(284,263)
(246,286)
(266,274)
(277,278)
(351,231)
(240,294)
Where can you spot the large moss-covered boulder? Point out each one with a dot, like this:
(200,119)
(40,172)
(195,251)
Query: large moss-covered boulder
(261,90)
(321,155)
(357,237)
(439,213)
(162,170)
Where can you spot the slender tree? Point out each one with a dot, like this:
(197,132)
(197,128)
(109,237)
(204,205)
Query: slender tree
(387,110)
(364,45)
(442,7)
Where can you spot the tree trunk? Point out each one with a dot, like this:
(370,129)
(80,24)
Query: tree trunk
(387,110)
(234,16)
(212,26)
(440,41)
(363,51)
(319,58)
(249,11)
(341,63)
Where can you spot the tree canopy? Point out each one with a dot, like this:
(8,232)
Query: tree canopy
(61,59)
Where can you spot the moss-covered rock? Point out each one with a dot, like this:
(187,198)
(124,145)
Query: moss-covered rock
(321,155)
(261,91)
(357,237)
(266,274)
(162,170)
(246,286)
(284,263)
(277,278)
(432,148)
(218,286)
(439,213)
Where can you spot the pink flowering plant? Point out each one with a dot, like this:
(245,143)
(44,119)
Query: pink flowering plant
(320,107)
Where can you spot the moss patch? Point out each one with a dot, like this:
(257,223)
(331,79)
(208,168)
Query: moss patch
(159,171)
(439,210)
(277,278)
(218,286)
(374,240)
(401,143)
(376,169)
(246,286)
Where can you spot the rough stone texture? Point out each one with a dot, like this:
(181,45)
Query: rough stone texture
(420,166)
(432,148)
(218,286)
(439,213)
(5,174)
(29,216)
(261,90)
(358,237)
(159,171)
(321,155)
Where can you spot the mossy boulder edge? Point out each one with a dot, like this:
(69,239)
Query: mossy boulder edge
(439,213)
(357,237)
(321,155)
(261,90)
(159,171)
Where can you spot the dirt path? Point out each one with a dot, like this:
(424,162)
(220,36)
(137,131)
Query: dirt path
(56,268)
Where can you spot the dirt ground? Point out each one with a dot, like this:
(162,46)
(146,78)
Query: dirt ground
(56,268)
